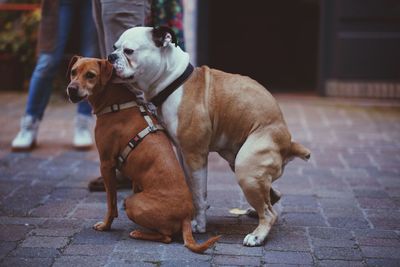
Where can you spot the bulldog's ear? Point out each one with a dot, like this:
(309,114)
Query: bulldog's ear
(73,60)
(106,71)
(164,35)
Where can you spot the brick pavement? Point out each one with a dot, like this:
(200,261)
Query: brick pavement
(340,209)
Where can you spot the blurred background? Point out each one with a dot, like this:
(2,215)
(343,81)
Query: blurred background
(321,47)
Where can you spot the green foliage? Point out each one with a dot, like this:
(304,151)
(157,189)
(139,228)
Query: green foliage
(18,35)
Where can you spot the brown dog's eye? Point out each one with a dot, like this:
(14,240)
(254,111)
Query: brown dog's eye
(89,75)
(73,72)
(128,51)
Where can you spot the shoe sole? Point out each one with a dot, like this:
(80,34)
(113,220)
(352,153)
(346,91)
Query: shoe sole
(24,149)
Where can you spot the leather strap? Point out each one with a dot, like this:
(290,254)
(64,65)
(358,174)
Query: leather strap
(135,141)
(116,108)
(164,94)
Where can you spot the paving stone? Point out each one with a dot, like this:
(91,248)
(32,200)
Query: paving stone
(45,242)
(6,247)
(300,258)
(35,252)
(84,261)
(382,262)
(376,203)
(381,252)
(331,237)
(67,232)
(303,219)
(220,260)
(237,249)
(88,250)
(13,232)
(340,263)
(28,262)
(53,209)
(349,222)
(339,209)
(91,236)
(342,253)
(287,239)
(185,263)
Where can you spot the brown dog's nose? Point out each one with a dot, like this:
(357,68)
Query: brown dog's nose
(72,90)
(112,58)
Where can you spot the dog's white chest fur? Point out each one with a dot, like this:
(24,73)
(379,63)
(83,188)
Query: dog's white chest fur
(169,113)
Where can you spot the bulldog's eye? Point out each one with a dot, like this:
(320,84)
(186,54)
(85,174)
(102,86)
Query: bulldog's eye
(128,51)
(114,47)
(73,72)
(90,75)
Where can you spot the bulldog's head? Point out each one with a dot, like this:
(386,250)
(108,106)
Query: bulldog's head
(139,50)
(87,75)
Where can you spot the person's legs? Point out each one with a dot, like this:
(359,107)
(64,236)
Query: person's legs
(88,44)
(43,75)
(112,18)
(88,48)
(120,15)
(41,82)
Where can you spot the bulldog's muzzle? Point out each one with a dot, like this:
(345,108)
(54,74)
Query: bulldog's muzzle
(112,58)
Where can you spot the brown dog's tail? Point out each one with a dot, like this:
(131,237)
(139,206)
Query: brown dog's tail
(190,243)
(298,150)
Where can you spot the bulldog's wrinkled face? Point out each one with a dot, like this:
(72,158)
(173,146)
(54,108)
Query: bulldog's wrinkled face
(138,49)
(86,76)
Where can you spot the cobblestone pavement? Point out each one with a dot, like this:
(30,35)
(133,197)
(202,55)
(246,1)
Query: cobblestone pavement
(340,209)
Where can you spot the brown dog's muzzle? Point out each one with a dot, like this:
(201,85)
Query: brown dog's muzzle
(73,93)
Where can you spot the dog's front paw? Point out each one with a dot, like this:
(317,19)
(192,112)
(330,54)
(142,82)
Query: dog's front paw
(198,228)
(101,226)
(252,240)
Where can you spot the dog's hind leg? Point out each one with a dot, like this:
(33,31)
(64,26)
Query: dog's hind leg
(257,164)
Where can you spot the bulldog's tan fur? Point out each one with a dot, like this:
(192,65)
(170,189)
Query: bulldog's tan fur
(213,111)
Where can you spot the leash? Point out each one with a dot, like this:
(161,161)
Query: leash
(134,142)
(164,94)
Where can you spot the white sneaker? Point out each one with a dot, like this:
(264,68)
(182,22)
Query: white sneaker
(26,137)
(82,133)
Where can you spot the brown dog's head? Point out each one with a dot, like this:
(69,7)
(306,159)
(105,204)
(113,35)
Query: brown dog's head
(87,76)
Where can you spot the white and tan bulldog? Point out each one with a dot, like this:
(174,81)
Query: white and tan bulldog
(211,111)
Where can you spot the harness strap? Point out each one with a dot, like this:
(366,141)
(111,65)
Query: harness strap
(116,108)
(134,142)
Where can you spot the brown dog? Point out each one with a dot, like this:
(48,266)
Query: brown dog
(162,200)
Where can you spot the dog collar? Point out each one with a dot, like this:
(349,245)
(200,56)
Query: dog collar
(164,94)
(116,108)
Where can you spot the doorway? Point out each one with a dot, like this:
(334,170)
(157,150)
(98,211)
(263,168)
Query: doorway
(273,42)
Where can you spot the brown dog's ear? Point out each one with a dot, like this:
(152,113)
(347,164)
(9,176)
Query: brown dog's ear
(71,63)
(106,70)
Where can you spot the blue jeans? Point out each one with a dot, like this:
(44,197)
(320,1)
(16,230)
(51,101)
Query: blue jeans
(47,65)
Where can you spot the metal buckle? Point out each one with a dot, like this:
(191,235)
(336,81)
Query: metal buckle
(115,108)
(152,128)
(121,159)
(142,110)
(134,142)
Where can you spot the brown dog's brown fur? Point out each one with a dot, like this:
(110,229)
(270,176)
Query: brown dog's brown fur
(162,201)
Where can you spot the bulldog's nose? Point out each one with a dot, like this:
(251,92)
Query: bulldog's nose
(112,58)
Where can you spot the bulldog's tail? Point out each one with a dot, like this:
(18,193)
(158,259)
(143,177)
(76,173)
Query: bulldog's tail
(190,243)
(298,150)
